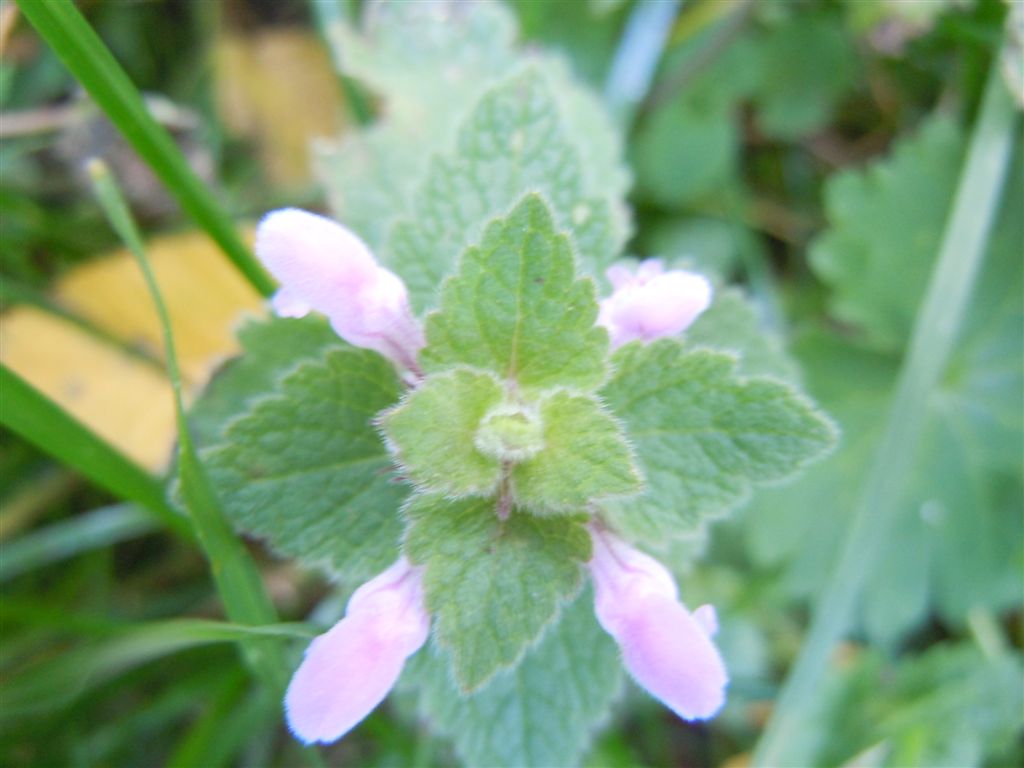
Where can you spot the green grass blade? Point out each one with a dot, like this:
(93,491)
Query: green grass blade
(57,681)
(92,64)
(83,533)
(935,331)
(235,574)
(29,413)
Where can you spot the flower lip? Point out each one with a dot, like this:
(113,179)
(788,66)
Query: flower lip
(666,649)
(348,671)
(323,266)
(651,303)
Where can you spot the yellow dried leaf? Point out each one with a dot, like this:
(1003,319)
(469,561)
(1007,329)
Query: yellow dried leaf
(277,87)
(122,398)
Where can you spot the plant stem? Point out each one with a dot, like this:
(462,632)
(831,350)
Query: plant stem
(935,331)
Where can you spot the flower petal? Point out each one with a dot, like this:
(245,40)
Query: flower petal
(652,303)
(669,653)
(317,260)
(323,266)
(349,670)
(667,650)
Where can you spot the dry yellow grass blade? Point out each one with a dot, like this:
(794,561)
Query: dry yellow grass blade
(125,400)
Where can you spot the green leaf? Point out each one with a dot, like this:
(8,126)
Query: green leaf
(512,143)
(492,585)
(429,65)
(517,308)
(703,435)
(54,682)
(948,706)
(543,711)
(698,111)
(958,537)
(307,471)
(808,63)
(585,458)
(433,432)
(271,349)
(731,324)
(886,224)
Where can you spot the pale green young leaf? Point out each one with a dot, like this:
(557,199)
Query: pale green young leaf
(885,227)
(731,324)
(517,308)
(433,433)
(492,585)
(429,62)
(307,470)
(585,458)
(271,348)
(542,712)
(703,435)
(513,142)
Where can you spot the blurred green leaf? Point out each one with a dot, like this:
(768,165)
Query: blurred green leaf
(808,64)
(885,228)
(949,706)
(54,682)
(91,530)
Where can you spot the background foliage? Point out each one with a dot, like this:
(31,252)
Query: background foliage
(808,152)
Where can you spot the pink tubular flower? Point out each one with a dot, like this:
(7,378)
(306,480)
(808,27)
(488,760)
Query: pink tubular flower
(652,302)
(324,267)
(349,670)
(666,649)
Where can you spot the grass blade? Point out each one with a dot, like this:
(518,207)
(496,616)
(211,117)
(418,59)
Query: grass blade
(234,573)
(92,64)
(36,418)
(92,530)
(57,681)
(935,331)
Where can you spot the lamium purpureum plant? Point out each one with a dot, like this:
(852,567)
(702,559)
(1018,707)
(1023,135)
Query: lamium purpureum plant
(505,438)
(499,456)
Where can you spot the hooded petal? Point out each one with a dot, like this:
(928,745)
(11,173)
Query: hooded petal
(667,650)
(652,303)
(323,266)
(349,670)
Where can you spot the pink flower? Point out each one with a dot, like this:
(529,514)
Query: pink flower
(324,267)
(652,302)
(349,670)
(665,648)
